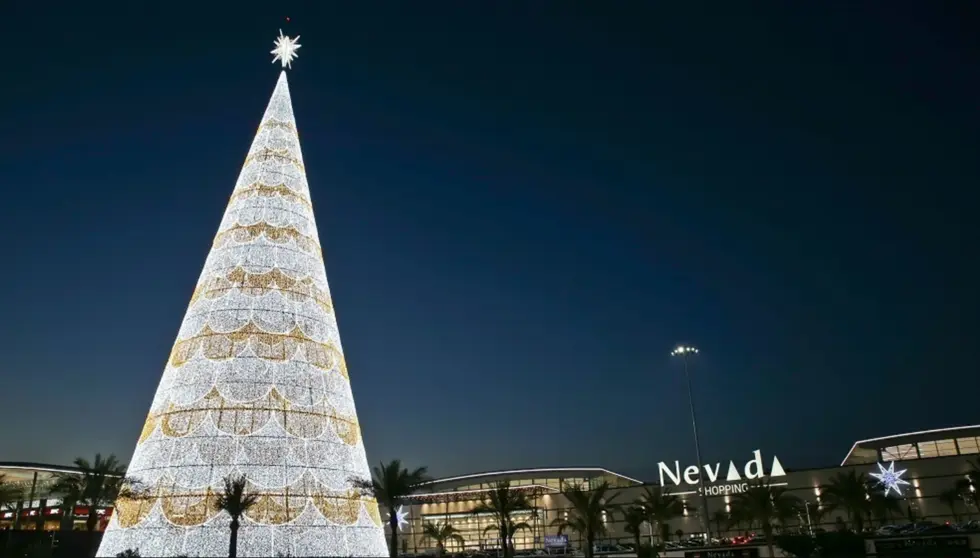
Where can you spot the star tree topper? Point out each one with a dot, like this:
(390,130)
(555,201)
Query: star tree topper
(285,50)
(890,478)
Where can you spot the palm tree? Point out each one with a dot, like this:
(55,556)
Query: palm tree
(964,487)
(952,497)
(440,534)
(512,529)
(766,504)
(882,507)
(389,485)
(971,484)
(9,493)
(574,523)
(661,507)
(236,501)
(96,484)
(589,510)
(720,518)
(633,519)
(501,502)
(847,492)
(974,472)
(737,519)
(815,513)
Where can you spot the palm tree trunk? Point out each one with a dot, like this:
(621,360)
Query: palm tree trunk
(503,540)
(92,519)
(636,541)
(233,541)
(68,515)
(393,523)
(589,543)
(767,530)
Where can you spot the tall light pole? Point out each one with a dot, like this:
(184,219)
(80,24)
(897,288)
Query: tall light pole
(683,352)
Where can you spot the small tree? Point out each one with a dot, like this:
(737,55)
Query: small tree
(441,534)
(501,502)
(633,519)
(588,513)
(974,474)
(765,504)
(848,492)
(952,497)
(719,518)
(661,507)
(96,484)
(882,507)
(392,482)
(9,494)
(967,494)
(236,501)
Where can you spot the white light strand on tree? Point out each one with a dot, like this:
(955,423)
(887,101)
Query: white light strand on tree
(256,384)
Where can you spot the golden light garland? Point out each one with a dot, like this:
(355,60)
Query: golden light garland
(243,419)
(190,508)
(277,124)
(280,347)
(258,189)
(259,284)
(267,154)
(243,234)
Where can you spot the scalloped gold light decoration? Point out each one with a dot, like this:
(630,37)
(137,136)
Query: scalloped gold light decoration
(269,191)
(342,509)
(267,154)
(130,511)
(148,427)
(190,508)
(243,234)
(243,419)
(373,511)
(279,347)
(260,284)
(278,124)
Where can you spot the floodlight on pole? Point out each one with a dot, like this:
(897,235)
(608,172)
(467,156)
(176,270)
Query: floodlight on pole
(683,351)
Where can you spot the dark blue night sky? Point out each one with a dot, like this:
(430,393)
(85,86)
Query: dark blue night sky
(523,207)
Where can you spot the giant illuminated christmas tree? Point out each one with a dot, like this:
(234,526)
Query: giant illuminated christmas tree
(256,385)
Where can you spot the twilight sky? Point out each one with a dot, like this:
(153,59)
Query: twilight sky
(523,207)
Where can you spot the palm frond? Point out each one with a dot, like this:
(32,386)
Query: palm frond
(235,499)
(391,482)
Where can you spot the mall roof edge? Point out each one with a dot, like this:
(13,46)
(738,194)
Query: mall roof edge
(32,466)
(909,437)
(529,470)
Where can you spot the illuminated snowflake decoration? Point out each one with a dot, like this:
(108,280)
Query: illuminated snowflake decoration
(890,478)
(401,516)
(285,50)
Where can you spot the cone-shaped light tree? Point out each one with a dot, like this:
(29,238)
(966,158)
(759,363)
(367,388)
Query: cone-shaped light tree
(256,386)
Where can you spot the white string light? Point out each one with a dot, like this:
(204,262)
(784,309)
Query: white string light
(256,385)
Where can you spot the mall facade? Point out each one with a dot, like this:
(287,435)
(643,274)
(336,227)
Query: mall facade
(933,462)
(40,508)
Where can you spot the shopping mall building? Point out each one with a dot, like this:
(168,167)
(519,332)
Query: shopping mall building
(40,507)
(933,461)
